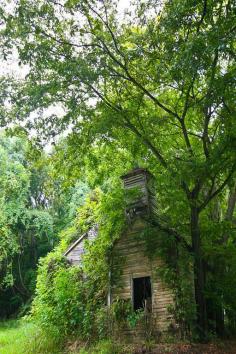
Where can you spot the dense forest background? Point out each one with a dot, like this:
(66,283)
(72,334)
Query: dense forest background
(34,209)
(153,87)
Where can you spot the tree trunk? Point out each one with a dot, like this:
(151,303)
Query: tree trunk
(215,311)
(220,324)
(221,267)
(199,281)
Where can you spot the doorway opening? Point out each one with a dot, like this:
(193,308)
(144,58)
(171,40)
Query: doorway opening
(142,293)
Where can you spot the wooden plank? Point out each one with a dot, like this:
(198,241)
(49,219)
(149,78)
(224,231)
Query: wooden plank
(135,263)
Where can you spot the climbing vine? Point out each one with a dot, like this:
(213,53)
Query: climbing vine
(175,271)
(70,299)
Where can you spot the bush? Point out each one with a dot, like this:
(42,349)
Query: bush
(70,300)
(59,303)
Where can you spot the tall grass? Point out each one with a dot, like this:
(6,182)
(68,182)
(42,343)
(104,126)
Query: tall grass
(21,337)
(107,347)
(24,337)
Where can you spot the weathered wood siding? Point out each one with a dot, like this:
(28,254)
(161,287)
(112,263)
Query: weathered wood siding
(75,253)
(129,255)
(140,180)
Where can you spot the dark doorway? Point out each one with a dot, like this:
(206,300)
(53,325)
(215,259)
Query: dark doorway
(142,293)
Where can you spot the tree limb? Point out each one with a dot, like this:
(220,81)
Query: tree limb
(203,15)
(148,144)
(179,238)
(217,191)
(208,113)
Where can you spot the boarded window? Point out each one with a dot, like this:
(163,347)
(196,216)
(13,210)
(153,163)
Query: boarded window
(142,293)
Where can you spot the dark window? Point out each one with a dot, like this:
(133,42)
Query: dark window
(142,293)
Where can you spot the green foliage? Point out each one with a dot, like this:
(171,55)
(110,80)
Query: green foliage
(107,347)
(134,317)
(121,310)
(14,185)
(157,88)
(35,208)
(26,224)
(59,305)
(176,271)
(71,300)
(123,314)
(20,337)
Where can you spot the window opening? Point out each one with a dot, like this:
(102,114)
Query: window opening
(142,293)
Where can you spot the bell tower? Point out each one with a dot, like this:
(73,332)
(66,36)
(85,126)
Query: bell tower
(140,197)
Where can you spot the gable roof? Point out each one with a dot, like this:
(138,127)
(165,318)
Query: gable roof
(75,243)
(90,234)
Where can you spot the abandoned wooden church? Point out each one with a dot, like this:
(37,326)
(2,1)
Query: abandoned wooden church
(138,280)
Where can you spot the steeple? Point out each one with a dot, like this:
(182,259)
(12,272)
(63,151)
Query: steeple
(138,184)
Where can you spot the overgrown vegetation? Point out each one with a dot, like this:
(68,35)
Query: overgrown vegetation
(71,300)
(33,211)
(154,88)
(26,223)
(20,337)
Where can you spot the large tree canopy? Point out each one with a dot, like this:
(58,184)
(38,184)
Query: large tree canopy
(159,83)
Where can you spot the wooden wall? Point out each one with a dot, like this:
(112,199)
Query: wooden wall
(75,252)
(130,260)
(129,255)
